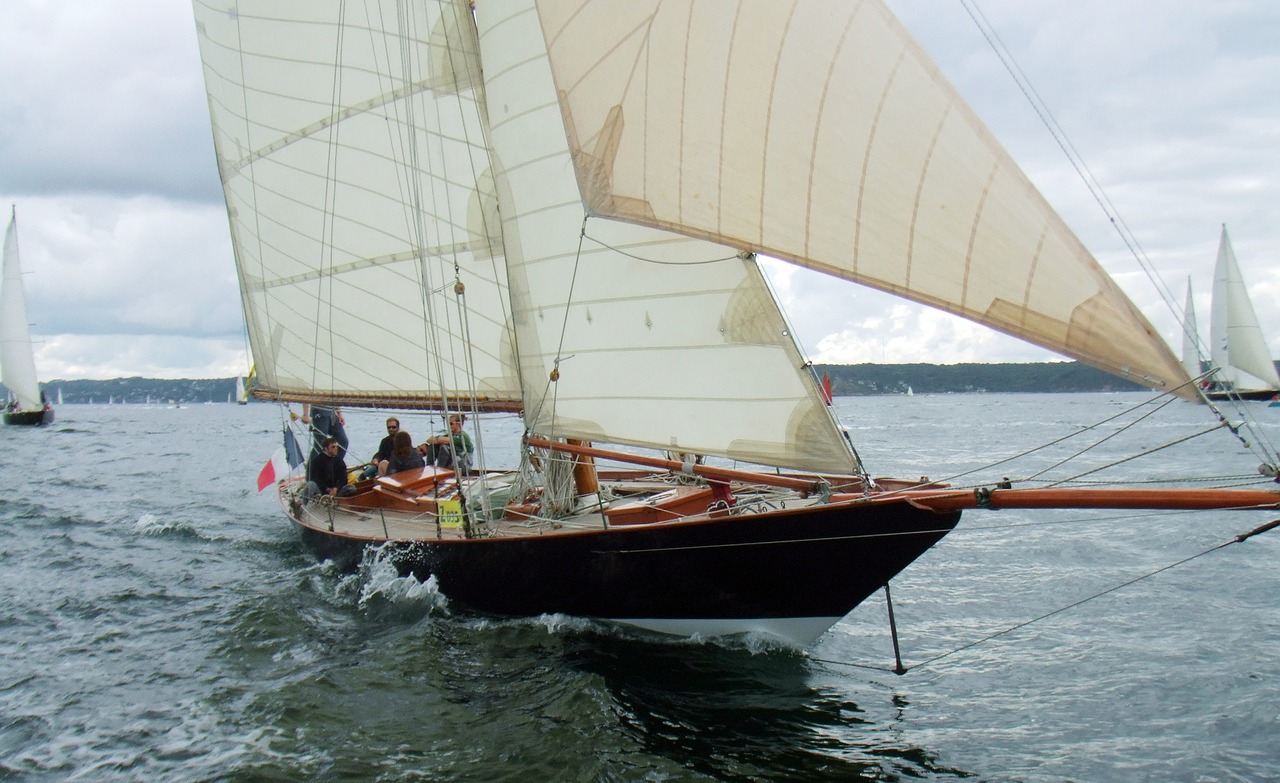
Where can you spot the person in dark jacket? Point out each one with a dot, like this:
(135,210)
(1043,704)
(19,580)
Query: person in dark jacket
(384,449)
(327,474)
(403,456)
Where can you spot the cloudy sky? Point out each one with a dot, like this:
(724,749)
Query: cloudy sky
(1174,107)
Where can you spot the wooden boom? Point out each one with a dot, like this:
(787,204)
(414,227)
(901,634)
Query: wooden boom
(712,473)
(1171,499)
(946,500)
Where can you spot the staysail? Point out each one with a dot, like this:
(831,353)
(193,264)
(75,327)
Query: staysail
(17,363)
(1237,346)
(351,146)
(656,339)
(858,159)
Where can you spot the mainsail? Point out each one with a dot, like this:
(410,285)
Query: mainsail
(351,146)
(857,159)
(1237,347)
(17,363)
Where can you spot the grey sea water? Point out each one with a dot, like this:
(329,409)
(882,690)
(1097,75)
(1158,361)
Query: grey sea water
(159,621)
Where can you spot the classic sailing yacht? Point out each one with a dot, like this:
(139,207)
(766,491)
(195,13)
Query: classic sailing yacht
(554,207)
(17,361)
(1237,348)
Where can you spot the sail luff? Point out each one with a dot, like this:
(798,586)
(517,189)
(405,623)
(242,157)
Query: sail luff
(351,145)
(880,173)
(17,361)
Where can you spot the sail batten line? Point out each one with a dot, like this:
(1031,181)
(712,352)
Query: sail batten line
(922,180)
(325,124)
(724,113)
(355,184)
(1029,286)
(975,226)
(873,136)
(337,271)
(416,401)
(762,202)
(687,43)
(818,126)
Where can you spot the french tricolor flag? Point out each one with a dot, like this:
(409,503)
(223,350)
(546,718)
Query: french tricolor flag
(282,462)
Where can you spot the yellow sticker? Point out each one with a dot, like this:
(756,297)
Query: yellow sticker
(450,513)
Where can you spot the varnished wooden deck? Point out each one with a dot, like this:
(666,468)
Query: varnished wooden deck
(407,508)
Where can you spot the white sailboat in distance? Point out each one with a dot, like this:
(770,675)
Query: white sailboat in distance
(27,405)
(1237,347)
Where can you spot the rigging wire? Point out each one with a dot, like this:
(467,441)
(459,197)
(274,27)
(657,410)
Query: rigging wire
(1073,156)
(1167,396)
(1268,451)
(647,260)
(324,263)
(1060,610)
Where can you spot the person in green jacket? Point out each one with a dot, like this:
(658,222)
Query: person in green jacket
(454,449)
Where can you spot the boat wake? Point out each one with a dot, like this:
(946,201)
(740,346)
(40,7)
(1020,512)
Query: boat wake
(151,525)
(380,589)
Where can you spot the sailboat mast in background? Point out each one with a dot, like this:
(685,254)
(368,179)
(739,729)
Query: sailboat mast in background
(1238,349)
(27,405)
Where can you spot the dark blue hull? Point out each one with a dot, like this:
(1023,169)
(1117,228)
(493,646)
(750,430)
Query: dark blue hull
(820,561)
(29,418)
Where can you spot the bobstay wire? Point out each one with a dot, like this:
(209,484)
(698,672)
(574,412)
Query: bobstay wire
(901,669)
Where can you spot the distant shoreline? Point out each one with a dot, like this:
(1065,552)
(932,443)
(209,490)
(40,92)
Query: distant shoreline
(852,380)
(847,380)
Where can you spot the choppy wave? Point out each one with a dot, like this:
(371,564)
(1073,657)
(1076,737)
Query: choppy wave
(159,620)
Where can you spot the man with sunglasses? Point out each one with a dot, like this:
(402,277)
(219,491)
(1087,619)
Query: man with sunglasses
(385,448)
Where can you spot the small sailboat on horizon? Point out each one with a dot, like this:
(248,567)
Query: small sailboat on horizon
(1241,363)
(27,405)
